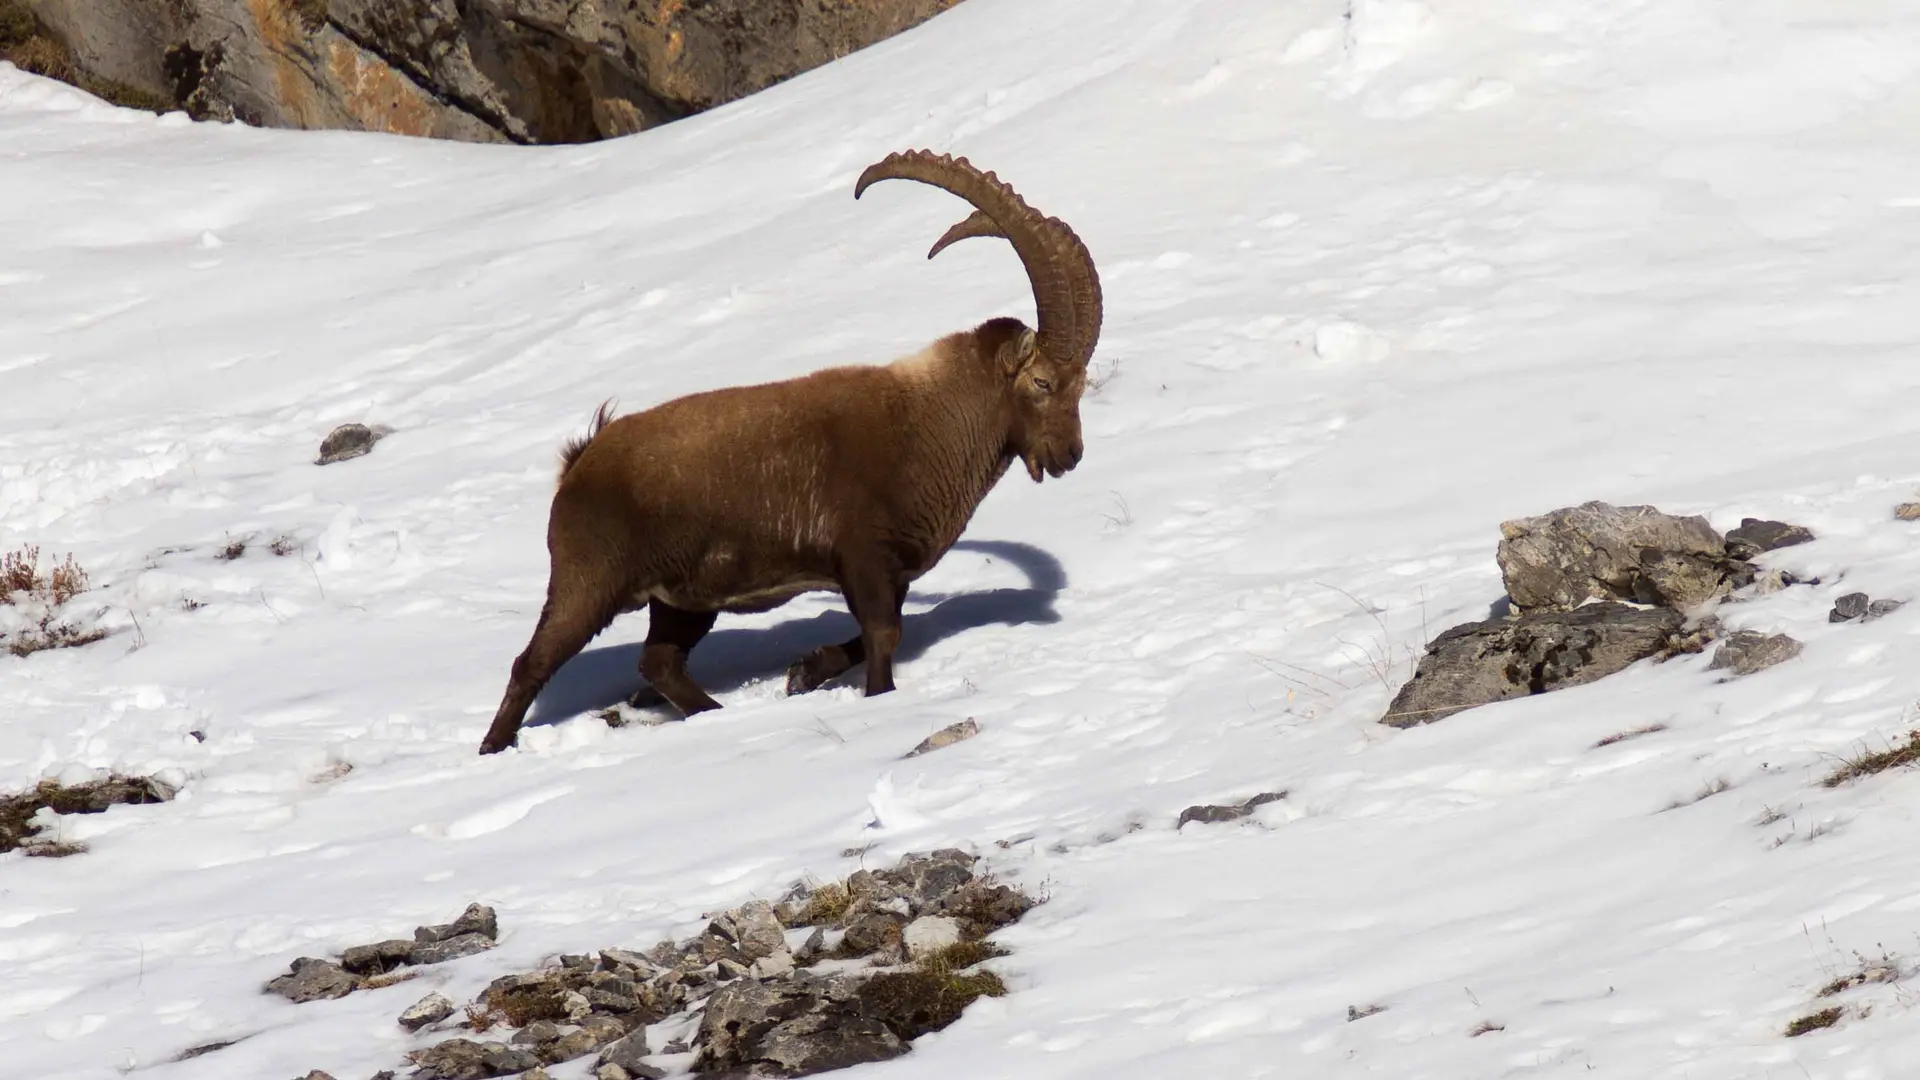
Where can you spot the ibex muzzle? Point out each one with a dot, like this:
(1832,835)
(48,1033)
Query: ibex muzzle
(854,480)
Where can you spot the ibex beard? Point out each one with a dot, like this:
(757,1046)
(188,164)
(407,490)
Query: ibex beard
(854,480)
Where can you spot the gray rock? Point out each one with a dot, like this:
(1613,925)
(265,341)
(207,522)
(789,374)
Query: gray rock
(922,880)
(611,999)
(312,979)
(346,442)
(630,1053)
(477,919)
(755,930)
(928,934)
(778,965)
(1849,607)
(466,1059)
(1747,651)
(317,1075)
(1595,551)
(577,1043)
(1480,663)
(431,1009)
(946,736)
(527,71)
(869,934)
(377,958)
(983,908)
(453,948)
(1211,815)
(537,1032)
(794,1027)
(1882,607)
(1754,536)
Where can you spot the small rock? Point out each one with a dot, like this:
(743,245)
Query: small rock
(1361,1012)
(1907,511)
(815,944)
(756,931)
(946,736)
(431,1009)
(982,908)
(1882,607)
(929,934)
(477,919)
(612,1072)
(873,933)
(577,1007)
(611,999)
(317,1075)
(615,959)
(1500,659)
(604,1029)
(466,1059)
(537,1032)
(378,958)
(922,880)
(577,1043)
(312,979)
(348,441)
(1755,536)
(629,1054)
(1595,551)
(772,967)
(1211,815)
(536,1073)
(453,948)
(794,1027)
(1848,607)
(1747,651)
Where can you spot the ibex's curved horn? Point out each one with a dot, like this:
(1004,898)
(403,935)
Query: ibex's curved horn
(977,224)
(1066,285)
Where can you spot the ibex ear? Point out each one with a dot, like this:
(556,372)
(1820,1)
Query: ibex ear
(1015,355)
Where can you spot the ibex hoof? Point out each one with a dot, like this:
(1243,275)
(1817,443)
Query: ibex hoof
(492,746)
(802,681)
(647,698)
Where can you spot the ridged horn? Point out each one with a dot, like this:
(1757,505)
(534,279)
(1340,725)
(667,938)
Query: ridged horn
(1066,285)
(977,224)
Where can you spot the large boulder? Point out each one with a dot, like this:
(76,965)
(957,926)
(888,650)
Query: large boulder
(527,71)
(1595,551)
(1499,659)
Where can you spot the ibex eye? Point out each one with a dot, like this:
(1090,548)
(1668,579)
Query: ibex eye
(1043,386)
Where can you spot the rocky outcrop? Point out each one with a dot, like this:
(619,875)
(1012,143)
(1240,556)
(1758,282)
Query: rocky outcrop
(1594,589)
(525,71)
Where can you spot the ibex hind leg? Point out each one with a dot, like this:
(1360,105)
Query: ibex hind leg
(574,612)
(671,635)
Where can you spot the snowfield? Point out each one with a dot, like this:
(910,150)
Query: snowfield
(1379,275)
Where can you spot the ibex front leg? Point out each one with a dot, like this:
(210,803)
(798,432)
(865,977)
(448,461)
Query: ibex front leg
(875,591)
(829,662)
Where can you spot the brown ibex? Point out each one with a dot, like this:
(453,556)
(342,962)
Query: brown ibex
(851,479)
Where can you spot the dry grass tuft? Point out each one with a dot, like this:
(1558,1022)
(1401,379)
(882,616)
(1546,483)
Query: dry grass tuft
(826,905)
(1707,791)
(23,583)
(1631,733)
(1867,762)
(1825,1018)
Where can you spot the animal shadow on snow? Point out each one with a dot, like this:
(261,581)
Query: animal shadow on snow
(730,658)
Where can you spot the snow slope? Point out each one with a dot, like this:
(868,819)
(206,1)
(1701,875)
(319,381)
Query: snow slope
(1378,275)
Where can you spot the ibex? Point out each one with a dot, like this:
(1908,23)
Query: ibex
(853,480)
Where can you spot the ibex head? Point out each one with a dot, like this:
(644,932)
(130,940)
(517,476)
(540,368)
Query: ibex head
(1045,369)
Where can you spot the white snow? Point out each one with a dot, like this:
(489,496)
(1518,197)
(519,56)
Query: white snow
(1378,274)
